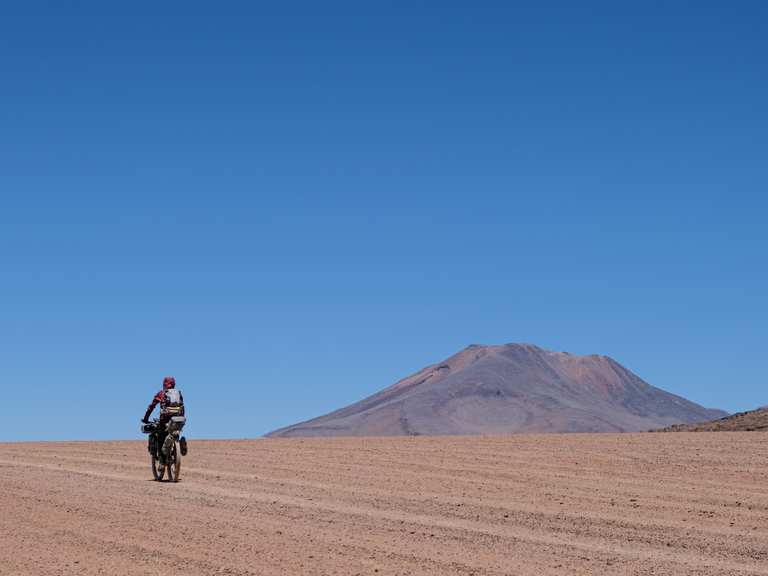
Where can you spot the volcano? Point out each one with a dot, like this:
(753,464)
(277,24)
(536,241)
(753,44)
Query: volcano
(508,389)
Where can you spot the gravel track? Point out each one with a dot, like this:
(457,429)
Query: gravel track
(550,504)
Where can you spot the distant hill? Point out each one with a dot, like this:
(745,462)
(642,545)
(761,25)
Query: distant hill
(510,388)
(752,421)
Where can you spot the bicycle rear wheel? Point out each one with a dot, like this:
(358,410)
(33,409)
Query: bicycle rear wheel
(174,466)
(158,469)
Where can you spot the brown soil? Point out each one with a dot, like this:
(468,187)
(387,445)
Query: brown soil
(553,504)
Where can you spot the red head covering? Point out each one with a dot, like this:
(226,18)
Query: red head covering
(169,382)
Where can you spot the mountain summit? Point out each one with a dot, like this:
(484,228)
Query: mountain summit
(510,388)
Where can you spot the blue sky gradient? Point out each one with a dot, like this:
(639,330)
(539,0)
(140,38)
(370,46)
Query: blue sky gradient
(291,205)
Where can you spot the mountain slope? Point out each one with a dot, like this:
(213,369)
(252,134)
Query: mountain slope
(505,389)
(752,421)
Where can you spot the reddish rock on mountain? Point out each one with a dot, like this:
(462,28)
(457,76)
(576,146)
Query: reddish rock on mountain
(506,389)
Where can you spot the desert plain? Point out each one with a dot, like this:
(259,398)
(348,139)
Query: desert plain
(688,503)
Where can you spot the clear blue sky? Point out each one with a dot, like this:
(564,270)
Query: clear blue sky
(290,205)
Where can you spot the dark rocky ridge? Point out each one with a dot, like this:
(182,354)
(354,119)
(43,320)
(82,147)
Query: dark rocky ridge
(752,421)
(507,389)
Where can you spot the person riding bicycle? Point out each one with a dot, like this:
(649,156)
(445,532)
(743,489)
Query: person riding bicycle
(171,404)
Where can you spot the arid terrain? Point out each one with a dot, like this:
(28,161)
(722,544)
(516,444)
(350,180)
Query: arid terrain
(661,504)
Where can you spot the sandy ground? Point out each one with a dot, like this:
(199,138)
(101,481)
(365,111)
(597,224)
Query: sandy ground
(557,504)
